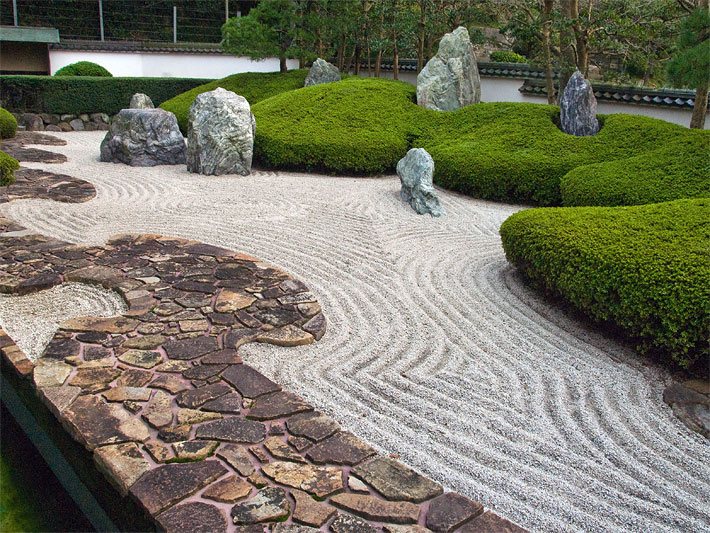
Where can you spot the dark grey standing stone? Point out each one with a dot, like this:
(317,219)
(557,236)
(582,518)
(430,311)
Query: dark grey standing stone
(220,138)
(322,72)
(144,138)
(269,505)
(141,101)
(416,173)
(195,517)
(578,107)
(450,79)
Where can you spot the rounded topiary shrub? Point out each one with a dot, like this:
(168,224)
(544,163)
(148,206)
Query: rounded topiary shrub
(507,56)
(8,166)
(8,124)
(83,68)
(642,269)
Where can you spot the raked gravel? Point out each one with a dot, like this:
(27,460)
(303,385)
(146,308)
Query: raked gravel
(435,350)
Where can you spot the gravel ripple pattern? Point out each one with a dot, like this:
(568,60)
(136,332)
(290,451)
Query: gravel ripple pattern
(435,350)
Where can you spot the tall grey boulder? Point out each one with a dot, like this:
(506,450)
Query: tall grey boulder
(416,173)
(578,107)
(450,79)
(144,138)
(220,137)
(322,72)
(141,101)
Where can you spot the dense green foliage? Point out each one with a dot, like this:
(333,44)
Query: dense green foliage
(49,94)
(641,268)
(254,86)
(8,124)
(691,65)
(8,166)
(83,68)
(507,56)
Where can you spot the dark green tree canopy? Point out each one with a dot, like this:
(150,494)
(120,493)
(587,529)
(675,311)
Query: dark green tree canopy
(691,65)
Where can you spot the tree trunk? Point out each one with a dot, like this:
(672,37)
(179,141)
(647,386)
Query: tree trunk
(546,31)
(700,109)
(282,63)
(378,63)
(421,35)
(395,60)
(570,11)
(358,54)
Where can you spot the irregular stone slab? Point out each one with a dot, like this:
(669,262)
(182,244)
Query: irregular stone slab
(345,523)
(50,373)
(310,512)
(248,381)
(146,342)
(194,416)
(229,301)
(168,484)
(343,448)
(281,450)
(321,481)
(450,511)
(238,337)
(238,458)
(416,174)
(228,490)
(141,358)
(122,394)
(373,508)
(321,72)
(141,101)
(132,377)
(185,349)
(95,353)
(412,528)
(203,371)
(122,464)
(293,528)
(222,357)
(316,326)
(88,377)
(194,450)
(195,517)
(314,426)
(489,522)
(169,383)
(229,403)
(269,505)
(195,397)
(233,430)
(174,433)
(286,336)
(397,482)
(95,423)
(118,325)
(174,366)
(277,405)
(220,135)
(158,413)
(578,107)
(450,79)
(59,398)
(144,138)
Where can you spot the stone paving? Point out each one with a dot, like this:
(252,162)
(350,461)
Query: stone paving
(174,418)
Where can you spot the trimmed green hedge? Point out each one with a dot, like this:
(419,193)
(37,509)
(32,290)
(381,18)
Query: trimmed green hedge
(507,56)
(8,166)
(8,124)
(644,268)
(83,68)
(78,94)
(254,86)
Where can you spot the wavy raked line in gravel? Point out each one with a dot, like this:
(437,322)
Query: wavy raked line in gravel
(435,349)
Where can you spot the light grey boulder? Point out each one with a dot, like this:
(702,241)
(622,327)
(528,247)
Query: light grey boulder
(450,79)
(144,138)
(141,101)
(220,136)
(416,173)
(322,72)
(578,107)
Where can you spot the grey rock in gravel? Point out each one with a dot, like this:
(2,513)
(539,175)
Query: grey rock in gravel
(322,72)
(450,79)
(141,101)
(31,122)
(416,172)
(578,107)
(144,138)
(220,138)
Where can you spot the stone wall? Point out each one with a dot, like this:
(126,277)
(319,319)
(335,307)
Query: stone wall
(52,122)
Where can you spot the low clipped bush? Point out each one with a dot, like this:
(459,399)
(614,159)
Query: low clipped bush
(507,56)
(643,269)
(254,86)
(83,68)
(8,124)
(8,166)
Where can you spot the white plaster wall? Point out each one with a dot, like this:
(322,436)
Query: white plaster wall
(166,65)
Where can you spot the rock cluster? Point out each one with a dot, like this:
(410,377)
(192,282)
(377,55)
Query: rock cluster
(144,138)
(450,79)
(220,138)
(578,107)
(416,173)
(322,72)
(141,101)
(66,122)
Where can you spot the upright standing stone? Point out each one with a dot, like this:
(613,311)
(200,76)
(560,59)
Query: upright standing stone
(144,138)
(416,172)
(220,138)
(322,72)
(578,107)
(450,79)
(141,101)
